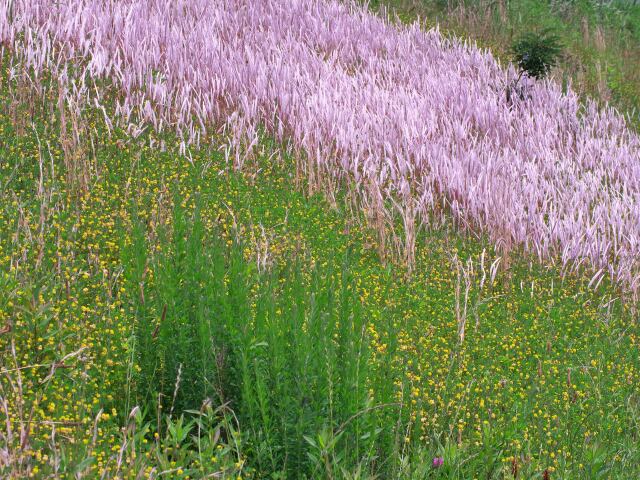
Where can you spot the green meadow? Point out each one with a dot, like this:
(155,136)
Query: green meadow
(165,316)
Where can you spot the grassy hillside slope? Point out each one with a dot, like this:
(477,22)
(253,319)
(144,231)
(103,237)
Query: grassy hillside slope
(601,39)
(137,284)
(172,311)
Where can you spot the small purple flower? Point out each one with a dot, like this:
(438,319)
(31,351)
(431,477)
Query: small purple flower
(437,462)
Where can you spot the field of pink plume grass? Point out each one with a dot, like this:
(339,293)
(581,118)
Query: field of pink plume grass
(414,121)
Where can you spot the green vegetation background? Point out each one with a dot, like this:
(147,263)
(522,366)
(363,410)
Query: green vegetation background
(165,317)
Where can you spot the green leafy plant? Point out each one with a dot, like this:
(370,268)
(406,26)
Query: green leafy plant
(536,53)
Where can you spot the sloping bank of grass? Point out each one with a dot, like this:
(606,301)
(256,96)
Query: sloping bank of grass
(601,40)
(172,318)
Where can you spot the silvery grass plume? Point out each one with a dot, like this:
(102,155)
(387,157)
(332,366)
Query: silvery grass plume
(363,100)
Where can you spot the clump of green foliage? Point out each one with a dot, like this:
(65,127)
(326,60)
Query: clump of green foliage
(285,348)
(536,53)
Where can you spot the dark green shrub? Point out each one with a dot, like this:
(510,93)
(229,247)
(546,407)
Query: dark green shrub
(535,53)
